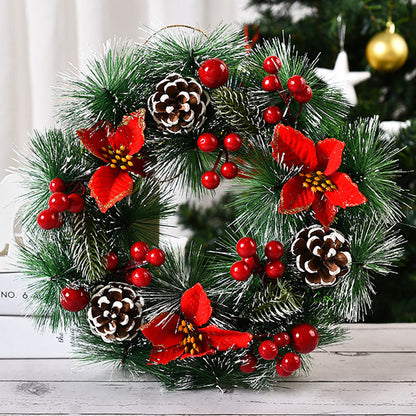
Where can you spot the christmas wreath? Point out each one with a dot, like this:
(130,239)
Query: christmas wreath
(315,197)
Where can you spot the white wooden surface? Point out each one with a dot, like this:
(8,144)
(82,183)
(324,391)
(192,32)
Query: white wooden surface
(373,373)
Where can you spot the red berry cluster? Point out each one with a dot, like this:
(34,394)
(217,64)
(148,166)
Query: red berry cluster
(299,90)
(208,142)
(303,339)
(250,263)
(142,255)
(59,202)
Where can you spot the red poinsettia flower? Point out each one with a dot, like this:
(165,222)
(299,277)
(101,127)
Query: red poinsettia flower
(175,336)
(118,147)
(319,184)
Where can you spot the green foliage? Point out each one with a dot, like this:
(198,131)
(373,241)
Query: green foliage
(48,265)
(275,303)
(207,223)
(138,216)
(111,86)
(370,159)
(184,51)
(88,244)
(242,116)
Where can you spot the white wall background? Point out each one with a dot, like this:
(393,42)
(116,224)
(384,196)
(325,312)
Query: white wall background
(40,38)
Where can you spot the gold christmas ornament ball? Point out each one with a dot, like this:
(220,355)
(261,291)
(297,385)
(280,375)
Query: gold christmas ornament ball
(387,51)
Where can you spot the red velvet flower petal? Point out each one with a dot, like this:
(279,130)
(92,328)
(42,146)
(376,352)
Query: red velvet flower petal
(329,153)
(109,186)
(138,165)
(294,197)
(95,138)
(347,194)
(223,339)
(325,211)
(130,132)
(195,305)
(162,331)
(165,355)
(293,149)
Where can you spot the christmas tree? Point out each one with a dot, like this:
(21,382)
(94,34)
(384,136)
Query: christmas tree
(314,197)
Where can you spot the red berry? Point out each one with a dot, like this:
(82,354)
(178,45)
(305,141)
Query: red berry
(246,247)
(156,257)
(268,350)
(272,64)
(291,362)
(57,185)
(282,339)
(305,96)
(207,142)
(274,250)
(48,219)
(112,260)
(139,250)
(296,84)
(141,277)
(229,170)
(248,363)
(232,142)
(305,338)
(270,83)
(253,262)
(240,271)
(74,300)
(128,278)
(275,269)
(210,179)
(272,114)
(213,73)
(76,203)
(281,371)
(58,202)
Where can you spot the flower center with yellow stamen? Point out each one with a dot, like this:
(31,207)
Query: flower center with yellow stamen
(118,158)
(192,338)
(317,182)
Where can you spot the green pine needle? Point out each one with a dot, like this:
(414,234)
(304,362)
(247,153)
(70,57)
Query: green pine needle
(112,86)
(370,158)
(48,266)
(274,304)
(242,116)
(88,244)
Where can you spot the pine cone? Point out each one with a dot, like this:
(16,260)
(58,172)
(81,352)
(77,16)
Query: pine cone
(179,104)
(322,256)
(115,312)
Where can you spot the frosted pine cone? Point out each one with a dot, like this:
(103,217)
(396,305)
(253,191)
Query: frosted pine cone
(322,256)
(115,312)
(179,104)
